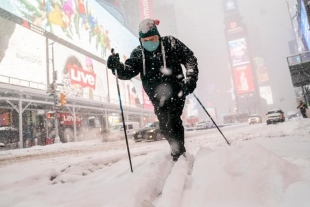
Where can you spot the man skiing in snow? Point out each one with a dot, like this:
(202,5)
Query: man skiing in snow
(302,106)
(158,60)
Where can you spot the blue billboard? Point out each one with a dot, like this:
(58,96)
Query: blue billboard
(304,25)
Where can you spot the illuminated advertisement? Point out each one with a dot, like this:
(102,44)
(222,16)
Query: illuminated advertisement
(137,92)
(130,91)
(83,23)
(114,98)
(79,75)
(191,109)
(134,92)
(238,52)
(22,55)
(147,102)
(230,5)
(146,9)
(243,79)
(304,25)
(261,70)
(266,93)
(5,118)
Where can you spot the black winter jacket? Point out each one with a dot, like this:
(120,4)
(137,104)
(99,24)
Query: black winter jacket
(153,74)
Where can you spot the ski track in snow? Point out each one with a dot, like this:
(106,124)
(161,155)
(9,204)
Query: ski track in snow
(176,182)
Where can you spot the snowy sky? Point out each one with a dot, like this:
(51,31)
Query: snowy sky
(265,166)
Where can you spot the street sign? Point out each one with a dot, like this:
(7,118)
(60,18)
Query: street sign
(56,107)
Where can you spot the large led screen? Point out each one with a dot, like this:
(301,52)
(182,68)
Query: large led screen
(243,79)
(147,102)
(146,9)
(191,109)
(261,70)
(266,93)
(81,76)
(304,24)
(238,52)
(84,23)
(131,91)
(22,56)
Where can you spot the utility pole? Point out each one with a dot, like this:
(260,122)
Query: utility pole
(55,97)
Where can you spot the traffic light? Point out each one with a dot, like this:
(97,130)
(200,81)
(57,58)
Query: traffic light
(50,115)
(63,99)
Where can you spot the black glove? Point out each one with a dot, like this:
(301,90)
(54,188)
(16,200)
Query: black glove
(113,62)
(188,87)
(190,81)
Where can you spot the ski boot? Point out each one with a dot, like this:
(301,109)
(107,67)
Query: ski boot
(177,151)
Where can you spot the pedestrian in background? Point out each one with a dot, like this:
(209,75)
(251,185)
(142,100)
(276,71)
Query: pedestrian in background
(303,108)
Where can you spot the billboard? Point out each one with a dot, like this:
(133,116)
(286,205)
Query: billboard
(137,92)
(130,91)
(81,69)
(147,102)
(81,76)
(261,70)
(304,25)
(238,52)
(266,93)
(146,9)
(22,55)
(191,109)
(230,6)
(243,79)
(83,23)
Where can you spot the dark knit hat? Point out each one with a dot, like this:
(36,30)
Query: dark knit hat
(148,28)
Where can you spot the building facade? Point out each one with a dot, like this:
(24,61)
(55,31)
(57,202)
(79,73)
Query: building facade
(63,46)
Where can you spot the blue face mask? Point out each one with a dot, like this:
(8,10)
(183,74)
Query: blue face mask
(150,46)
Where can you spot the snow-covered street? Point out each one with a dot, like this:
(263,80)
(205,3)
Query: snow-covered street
(265,166)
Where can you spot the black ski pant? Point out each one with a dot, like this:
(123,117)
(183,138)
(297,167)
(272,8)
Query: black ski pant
(303,112)
(170,122)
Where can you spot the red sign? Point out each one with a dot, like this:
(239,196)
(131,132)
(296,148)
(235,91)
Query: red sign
(4,119)
(25,24)
(82,77)
(243,79)
(146,9)
(147,103)
(67,119)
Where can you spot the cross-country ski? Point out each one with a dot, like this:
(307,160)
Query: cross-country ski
(146,203)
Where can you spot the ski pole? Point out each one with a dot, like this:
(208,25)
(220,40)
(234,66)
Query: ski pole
(210,117)
(121,108)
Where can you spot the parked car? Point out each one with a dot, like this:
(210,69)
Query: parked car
(117,130)
(9,137)
(255,118)
(188,127)
(149,132)
(274,116)
(206,124)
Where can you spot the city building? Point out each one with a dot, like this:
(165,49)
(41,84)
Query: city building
(53,49)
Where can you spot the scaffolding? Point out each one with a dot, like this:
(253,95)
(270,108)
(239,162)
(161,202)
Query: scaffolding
(22,99)
(299,66)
